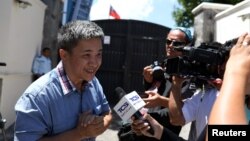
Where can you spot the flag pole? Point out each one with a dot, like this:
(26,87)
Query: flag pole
(109,12)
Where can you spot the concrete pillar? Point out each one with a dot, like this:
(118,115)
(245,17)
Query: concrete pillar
(52,23)
(204,23)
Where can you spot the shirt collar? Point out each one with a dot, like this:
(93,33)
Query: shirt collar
(66,84)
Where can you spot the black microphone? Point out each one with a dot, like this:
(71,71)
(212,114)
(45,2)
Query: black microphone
(137,115)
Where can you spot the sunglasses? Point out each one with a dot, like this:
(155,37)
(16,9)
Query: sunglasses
(175,43)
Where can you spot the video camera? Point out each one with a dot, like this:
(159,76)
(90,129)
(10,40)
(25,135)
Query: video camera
(201,62)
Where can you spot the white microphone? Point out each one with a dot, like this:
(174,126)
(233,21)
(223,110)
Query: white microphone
(129,105)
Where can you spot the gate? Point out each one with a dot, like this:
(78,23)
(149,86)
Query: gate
(129,45)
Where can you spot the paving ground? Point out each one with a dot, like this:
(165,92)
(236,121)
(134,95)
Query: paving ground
(111,133)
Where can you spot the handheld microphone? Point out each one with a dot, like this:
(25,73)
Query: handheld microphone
(129,105)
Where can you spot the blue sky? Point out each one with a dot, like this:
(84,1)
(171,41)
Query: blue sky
(155,11)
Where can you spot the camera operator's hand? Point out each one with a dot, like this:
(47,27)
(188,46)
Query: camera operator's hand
(147,74)
(177,82)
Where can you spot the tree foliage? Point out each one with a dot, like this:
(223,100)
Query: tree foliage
(183,15)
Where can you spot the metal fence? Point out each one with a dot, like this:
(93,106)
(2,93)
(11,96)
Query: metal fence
(129,46)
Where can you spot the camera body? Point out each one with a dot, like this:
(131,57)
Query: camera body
(187,68)
(200,62)
(158,71)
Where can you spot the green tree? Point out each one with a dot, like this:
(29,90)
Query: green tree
(183,15)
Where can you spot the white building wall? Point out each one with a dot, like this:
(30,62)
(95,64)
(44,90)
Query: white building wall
(4,28)
(232,22)
(21,33)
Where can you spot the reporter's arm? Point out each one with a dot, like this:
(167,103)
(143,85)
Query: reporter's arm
(160,133)
(168,135)
(229,106)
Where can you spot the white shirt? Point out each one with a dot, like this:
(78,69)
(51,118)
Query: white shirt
(198,107)
(41,65)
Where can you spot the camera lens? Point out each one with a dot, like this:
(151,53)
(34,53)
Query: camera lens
(158,73)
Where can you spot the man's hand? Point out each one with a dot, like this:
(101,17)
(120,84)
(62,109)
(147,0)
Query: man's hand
(147,74)
(90,125)
(153,100)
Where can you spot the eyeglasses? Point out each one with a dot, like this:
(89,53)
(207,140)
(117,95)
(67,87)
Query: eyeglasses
(175,43)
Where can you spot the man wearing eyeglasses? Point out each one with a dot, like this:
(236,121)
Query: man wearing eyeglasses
(177,38)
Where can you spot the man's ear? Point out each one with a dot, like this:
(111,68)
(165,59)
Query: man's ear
(63,54)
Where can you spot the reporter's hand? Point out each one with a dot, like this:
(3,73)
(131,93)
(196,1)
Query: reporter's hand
(229,107)
(136,126)
(144,126)
(238,64)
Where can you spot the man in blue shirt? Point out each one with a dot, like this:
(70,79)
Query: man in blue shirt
(68,102)
(41,64)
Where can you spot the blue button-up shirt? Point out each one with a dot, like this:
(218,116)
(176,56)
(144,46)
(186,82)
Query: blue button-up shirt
(51,105)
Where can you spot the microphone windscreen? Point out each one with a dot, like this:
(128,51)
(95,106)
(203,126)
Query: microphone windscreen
(120,92)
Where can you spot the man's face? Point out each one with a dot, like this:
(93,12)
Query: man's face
(46,53)
(84,60)
(175,38)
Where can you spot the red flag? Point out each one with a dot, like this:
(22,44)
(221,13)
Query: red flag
(113,13)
